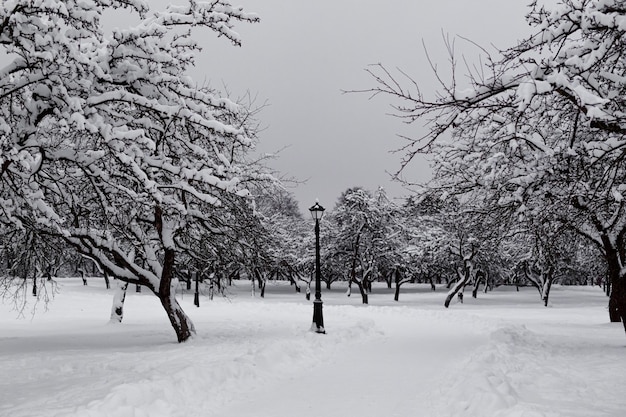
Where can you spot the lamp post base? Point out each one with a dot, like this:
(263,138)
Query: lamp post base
(318,319)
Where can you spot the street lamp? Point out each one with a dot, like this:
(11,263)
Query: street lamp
(317,212)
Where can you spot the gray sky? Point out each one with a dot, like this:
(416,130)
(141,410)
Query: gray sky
(303,53)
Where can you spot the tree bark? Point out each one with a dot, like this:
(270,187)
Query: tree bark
(546,289)
(263,289)
(363,291)
(35,283)
(479,276)
(117,309)
(396,296)
(107,282)
(617,299)
(196,294)
(463,279)
(294,282)
(181,323)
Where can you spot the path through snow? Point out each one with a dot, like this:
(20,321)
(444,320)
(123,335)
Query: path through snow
(390,374)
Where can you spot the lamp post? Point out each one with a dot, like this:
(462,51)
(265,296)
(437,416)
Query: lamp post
(317,212)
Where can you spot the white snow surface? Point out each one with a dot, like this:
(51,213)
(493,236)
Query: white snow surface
(502,354)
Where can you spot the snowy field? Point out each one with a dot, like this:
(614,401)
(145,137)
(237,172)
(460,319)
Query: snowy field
(503,354)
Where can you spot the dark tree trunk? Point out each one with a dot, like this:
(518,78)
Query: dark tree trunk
(107,282)
(260,280)
(618,299)
(480,275)
(196,294)
(363,291)
(218,281)
(188,281)
(397,277)
(35,283)
(178,319)
(616,303)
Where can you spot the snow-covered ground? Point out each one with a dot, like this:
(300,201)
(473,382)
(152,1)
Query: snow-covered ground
(503,354)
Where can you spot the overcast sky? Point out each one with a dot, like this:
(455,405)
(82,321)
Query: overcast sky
(302,55)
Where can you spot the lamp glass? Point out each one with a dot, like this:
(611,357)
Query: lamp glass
(317,211)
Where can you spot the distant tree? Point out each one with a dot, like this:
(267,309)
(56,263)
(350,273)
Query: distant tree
(366,239)
(427,241)
(286,232)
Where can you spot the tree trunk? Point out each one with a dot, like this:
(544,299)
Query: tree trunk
(432,283)
(188,281)
(35,283)
(480,276)
(261,280)
(294,282)
(363,292)
(182,325)
(546,289)
(617,301)
(616,282)
(117,310)
(263,289)
(460,284)
(396,296)
(365,285)
(397,277)
(196,294)
(107,282)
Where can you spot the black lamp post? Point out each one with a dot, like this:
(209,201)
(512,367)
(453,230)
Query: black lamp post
(317,212)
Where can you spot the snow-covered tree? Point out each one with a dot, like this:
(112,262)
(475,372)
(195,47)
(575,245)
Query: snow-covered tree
(541,124)
(426,254)
(288,237)
(366,238)
(108,144)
